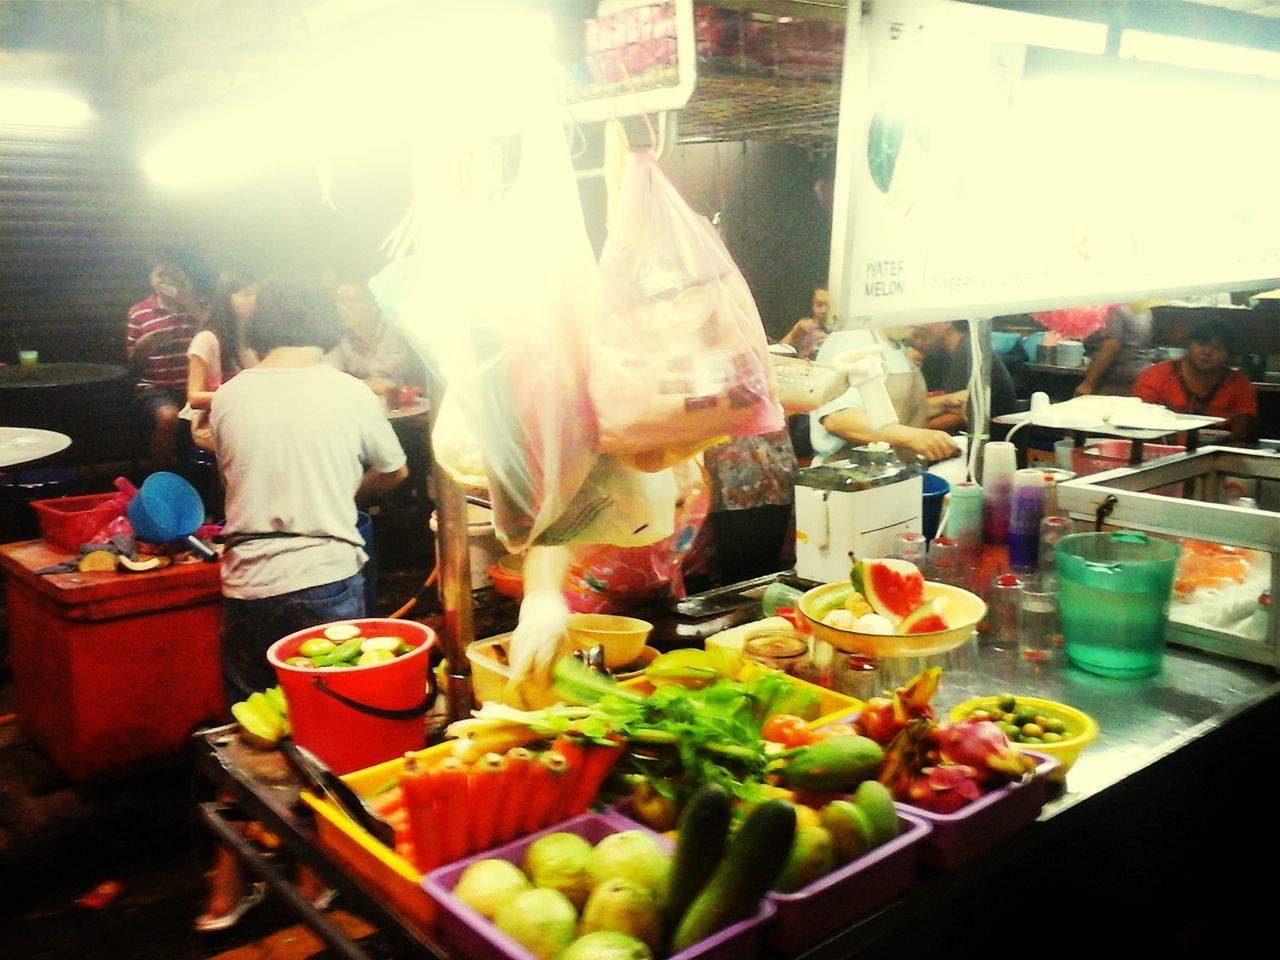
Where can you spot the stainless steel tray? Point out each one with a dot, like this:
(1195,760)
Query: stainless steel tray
(1182,496)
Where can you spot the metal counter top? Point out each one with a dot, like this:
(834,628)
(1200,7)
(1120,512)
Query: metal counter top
(1140,721)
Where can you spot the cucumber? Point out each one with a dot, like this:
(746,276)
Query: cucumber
(700,844)
(756,855)
(834,764)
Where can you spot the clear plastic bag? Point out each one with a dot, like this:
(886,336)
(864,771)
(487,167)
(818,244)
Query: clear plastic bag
(499,296)
(679,357)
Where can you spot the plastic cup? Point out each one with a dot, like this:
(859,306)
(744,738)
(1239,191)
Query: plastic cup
(1114,591)
(1002,611)
(29,362)
(1037,622)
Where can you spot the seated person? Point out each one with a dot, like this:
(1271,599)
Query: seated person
(372,349)
(1118,352)
(1201,382)
(842,423)
(946,362)
(158,331)
(808,333)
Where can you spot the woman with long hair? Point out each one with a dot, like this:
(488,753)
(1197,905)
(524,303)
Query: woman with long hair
(217,351)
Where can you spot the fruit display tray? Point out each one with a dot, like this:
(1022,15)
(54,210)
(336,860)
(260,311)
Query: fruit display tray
(956,838)
(850,892)
(474,937)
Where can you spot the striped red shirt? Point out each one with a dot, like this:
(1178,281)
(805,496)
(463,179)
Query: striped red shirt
(164,362)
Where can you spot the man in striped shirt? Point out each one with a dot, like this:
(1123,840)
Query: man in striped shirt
(157,333)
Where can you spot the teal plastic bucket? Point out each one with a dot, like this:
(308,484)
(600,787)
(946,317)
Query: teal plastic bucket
(1114,601)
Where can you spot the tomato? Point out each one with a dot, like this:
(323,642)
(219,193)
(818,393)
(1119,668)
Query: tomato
(788,730)
(836,730)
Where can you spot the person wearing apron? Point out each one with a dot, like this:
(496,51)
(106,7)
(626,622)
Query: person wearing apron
(841,423)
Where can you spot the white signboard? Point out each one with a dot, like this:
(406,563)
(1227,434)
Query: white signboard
(994,162)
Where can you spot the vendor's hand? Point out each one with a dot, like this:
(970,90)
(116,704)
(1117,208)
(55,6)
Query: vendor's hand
(537,640)
(933,445)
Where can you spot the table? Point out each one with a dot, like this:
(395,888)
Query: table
(24,444)
(1101,841)
(1080,429)
(89,402)
(53,376)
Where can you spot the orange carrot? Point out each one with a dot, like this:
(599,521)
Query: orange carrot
(420,803)
(386,803)
(597,760)
(574,751)
(452,814)
(484,799)
(546,785)
(514,794)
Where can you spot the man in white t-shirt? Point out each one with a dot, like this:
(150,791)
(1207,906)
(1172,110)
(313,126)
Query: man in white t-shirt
(298,443)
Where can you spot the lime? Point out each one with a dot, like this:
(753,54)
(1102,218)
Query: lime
(375,656)
(342,631)
(316,646)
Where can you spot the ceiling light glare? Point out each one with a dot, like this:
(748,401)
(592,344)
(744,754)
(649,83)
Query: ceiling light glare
(23,106)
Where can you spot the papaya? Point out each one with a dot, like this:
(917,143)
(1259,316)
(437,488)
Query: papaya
(852,833)
(836,764)
(874,799)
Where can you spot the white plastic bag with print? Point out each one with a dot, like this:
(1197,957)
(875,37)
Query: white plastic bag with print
(679,357)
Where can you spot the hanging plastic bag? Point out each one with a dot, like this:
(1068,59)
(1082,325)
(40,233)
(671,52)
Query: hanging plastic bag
(679,357)
(500,296)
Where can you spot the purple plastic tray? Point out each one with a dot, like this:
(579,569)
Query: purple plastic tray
(475,937)
(852,891)
(956,838)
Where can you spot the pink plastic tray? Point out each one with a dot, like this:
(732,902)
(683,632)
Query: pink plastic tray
(474,937)
(956,838)
(853,891)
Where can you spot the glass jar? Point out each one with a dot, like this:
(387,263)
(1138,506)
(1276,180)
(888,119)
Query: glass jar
(779,650)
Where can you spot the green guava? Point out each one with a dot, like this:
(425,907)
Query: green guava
(487,884)
(624,907)
(541,921)
(559,861)
(606,945)
(631,855)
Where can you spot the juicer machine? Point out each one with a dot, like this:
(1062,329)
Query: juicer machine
(853,507)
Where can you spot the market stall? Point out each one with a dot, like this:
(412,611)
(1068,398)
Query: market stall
(520,389)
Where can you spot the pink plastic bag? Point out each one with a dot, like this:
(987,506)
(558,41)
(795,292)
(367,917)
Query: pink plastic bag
(679,357)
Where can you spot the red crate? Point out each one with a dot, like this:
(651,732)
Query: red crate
(67,522)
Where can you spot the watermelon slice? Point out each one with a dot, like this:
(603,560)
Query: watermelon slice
(893,587)
(926,618)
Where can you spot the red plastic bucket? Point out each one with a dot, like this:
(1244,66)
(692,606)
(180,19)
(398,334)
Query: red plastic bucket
(355,717)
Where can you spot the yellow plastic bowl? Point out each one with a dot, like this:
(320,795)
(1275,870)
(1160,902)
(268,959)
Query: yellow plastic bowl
(1081,730)
(623,638)
(963,609)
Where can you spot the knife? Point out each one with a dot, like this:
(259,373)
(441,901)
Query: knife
(313,771)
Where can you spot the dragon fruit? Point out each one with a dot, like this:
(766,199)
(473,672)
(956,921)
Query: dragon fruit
(945,788)
(883,718)
(982,745)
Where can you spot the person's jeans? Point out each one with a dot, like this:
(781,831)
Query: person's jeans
(250,627)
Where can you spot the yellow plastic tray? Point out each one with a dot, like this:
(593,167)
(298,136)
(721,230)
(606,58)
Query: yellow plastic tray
(378,869)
